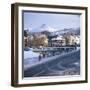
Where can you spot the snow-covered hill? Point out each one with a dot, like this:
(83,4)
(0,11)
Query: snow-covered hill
(66,31)
(70,31)
(43,28)
(48,29)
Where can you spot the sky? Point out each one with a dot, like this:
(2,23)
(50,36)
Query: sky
(59,21)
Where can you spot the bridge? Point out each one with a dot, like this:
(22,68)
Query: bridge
(46,49)
(54,50)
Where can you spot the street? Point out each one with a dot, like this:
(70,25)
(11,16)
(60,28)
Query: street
(65,65)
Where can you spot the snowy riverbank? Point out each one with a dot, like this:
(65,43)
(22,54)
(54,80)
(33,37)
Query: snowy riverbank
(31,58)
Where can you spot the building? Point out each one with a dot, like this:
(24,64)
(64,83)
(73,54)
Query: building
(78,40)
(58,41)
(27,41)
(66,40)
(71,39)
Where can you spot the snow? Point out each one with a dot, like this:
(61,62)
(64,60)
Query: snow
(30,54)
(44,27)
(77,63)
(32,59)
(58,38)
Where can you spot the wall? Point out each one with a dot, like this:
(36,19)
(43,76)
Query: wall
(5,45)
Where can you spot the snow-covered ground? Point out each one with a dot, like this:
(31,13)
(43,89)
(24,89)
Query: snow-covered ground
(30,54)
(32,58)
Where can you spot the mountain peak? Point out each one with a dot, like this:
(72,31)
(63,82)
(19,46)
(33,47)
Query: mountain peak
(44,27)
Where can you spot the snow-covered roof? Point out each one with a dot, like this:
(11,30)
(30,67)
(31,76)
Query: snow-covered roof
(58,38)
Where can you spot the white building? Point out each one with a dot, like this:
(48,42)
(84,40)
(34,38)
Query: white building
(78,39)
(59,41)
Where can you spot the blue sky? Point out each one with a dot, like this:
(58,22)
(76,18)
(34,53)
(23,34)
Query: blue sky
(33,20)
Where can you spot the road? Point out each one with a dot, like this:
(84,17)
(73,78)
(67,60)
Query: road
(65,65)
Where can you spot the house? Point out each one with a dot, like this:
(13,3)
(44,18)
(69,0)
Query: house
(26,41)
(77,40)
(71,39)
(58,41)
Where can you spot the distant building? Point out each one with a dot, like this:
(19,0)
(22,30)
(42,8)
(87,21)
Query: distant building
(77,39)
(26,38)
(67,39)
(59,41)
(71,39)
(27,41)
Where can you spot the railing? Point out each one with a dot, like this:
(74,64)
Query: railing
(46,49)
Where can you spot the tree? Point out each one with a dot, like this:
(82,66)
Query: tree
(40,41)
(25,33)
(67,40)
